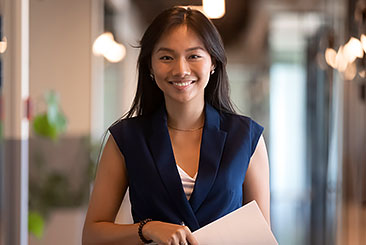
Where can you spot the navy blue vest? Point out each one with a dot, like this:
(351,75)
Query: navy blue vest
(156,192)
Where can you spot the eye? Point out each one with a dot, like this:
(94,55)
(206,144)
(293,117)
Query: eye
(165,57)
(194,56)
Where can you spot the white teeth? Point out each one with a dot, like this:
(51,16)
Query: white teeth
(182,84)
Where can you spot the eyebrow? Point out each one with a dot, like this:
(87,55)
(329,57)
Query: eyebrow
(187,50)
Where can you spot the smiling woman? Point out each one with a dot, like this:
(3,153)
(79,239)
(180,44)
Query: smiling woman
(181,66)
(181,146)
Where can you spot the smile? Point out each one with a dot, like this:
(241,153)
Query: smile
(182,84)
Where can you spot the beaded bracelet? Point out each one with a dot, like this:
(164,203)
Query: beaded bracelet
(141,225)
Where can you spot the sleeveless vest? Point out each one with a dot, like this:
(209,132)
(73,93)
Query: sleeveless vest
(156,192)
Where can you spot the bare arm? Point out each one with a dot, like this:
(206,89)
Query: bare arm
(256,184)
(109,189)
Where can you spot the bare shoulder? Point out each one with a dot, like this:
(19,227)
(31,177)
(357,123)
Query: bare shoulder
(256,183)
(110,184)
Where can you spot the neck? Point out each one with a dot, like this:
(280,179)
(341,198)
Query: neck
(185,116)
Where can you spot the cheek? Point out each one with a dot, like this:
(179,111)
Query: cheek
(158,79)
(208,67)
(158,70)
(155,66)
(206,71)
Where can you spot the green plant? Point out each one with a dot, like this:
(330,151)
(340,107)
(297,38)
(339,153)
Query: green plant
(36,224)
(50,188)
(51,123)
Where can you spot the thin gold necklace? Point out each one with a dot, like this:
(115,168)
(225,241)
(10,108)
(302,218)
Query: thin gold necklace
(185,130)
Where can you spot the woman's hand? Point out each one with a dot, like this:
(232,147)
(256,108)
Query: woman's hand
(168,234)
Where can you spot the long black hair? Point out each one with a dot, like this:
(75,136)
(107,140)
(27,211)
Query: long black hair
(148,96)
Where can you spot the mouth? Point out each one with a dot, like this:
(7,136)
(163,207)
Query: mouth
(182,84)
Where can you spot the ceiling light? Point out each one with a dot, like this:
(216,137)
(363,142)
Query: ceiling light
(352,50)
(214,9)
(363,42)
(350,71)
(3,45)
(111,50)
(330,57)
(341,61)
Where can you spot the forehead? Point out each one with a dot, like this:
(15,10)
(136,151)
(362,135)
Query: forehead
(179,37)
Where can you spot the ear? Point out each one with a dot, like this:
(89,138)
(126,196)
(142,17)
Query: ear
(213,65)
(212,70)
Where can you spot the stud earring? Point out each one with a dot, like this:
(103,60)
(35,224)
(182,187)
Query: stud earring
(152,76)
(213,71)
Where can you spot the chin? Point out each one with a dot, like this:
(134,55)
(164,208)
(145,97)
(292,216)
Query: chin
(186,99)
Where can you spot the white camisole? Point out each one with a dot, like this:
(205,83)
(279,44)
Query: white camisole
(187,182)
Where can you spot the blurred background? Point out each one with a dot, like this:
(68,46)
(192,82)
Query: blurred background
(68,70)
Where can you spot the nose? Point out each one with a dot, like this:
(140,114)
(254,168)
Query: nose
(181,68)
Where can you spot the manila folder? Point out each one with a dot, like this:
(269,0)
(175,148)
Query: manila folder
(246,225)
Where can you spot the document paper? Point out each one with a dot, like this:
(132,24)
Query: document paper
(245,225)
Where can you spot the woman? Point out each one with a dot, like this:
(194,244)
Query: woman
(181,150)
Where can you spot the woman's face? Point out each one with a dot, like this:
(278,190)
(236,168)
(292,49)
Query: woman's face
(181,65)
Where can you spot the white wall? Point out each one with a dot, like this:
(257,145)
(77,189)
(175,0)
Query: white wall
(60,58)
(61,33)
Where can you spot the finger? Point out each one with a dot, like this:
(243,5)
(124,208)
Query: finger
(181,235)
(191,239)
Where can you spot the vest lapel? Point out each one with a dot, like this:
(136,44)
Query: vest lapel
(212,145)
(162,152)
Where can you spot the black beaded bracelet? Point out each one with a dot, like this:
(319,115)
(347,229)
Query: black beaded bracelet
(141,225)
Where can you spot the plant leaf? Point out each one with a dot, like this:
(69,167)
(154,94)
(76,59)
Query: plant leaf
(35,224)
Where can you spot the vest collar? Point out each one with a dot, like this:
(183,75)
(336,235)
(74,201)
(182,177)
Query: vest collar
(212,145)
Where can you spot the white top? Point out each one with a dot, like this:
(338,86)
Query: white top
(187,181)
